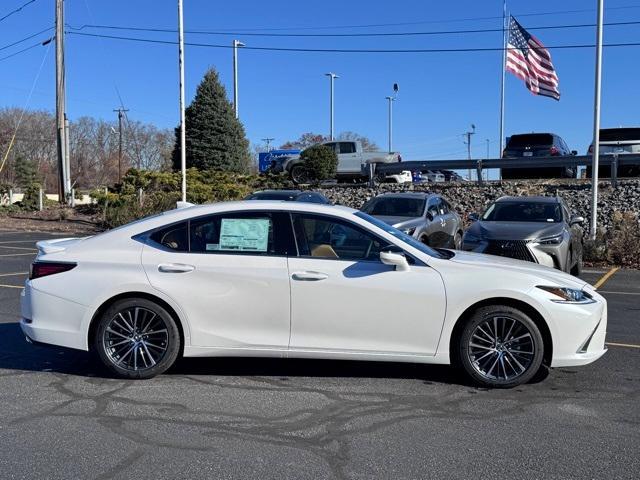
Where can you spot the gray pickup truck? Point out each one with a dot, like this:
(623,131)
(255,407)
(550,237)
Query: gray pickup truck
(353,161)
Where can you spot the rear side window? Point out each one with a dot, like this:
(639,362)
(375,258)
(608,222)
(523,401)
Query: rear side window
(530,140)
(242,233)
(347,147)
(173,237)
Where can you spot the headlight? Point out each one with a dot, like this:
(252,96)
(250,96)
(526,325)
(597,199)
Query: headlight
(408,230)
(568,295)
(555,240)
(470,237)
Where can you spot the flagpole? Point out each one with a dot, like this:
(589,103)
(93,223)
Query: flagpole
(503,75)
(595,160)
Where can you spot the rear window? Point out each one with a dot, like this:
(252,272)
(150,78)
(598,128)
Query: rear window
(523,212)
(530,140)
(620,134)
(395,207)
(272,196)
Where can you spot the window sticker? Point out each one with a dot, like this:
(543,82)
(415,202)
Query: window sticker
(244,234)
(212,246)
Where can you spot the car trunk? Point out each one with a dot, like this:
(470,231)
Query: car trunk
(530,145)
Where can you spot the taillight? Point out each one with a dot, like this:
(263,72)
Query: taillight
(554,151)
(399,158)
(43,269)
(591,148)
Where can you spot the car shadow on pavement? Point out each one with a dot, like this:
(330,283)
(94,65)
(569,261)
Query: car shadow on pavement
(17,354)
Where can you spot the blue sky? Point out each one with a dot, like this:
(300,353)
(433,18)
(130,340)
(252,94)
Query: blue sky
(283,94)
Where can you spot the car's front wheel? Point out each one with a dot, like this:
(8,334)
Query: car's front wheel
(137,338)
(299,174)
(500,347)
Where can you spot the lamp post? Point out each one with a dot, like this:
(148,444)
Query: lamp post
(332,76)
(390,122)
(236,44)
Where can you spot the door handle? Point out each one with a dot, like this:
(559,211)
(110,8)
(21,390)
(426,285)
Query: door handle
(309,276)
(175,268)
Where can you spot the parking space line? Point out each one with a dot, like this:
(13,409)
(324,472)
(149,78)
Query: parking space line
(24,241)
(605,277)
(11,247)
(626,345)
(13,273)
(11,286)
(16,254)
(619,293)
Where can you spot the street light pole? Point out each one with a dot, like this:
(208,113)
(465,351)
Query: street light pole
(390,120)
(332,76)
(596,126)
(236,44)
(183,138)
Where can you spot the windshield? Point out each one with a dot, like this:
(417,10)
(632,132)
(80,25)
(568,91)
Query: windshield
(395,207)
(401,235)
(529,140)
(523,212)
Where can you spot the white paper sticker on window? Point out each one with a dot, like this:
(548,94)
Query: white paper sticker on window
(244,234)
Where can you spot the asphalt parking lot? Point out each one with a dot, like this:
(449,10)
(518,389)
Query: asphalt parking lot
(61,417)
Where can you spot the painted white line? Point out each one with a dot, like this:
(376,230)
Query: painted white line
(19,241)
(618,293)
(11,247)
(593,271)
(627,345)
(16,254)
(11,286)
(12,274)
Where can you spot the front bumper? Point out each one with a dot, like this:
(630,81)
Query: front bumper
(548,255)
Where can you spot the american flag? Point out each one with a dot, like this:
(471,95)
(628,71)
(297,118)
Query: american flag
(528,60)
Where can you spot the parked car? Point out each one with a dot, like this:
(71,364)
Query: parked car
(402,177)
(352,161)
(430,176)
(265,279)
(451,176)
(621,141)
(537,145)
(289,195)
(533,229)
(427,217)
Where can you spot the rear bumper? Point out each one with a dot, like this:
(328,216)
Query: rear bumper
(52,320)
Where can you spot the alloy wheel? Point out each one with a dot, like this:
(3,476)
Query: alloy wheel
(501,348)
(136,339)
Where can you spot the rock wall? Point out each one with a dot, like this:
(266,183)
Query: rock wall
(471,197)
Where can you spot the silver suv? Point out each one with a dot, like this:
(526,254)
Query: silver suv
(534,229)
(425,216)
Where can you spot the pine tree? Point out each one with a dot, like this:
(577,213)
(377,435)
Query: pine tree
(215,139)
(26,172)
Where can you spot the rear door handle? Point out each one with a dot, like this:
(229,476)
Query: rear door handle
(175,268)
(309,276)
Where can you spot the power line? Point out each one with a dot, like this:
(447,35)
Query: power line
(344,50)
(39,44)
(341,35)
(16,10)
(25,39)
(426,22)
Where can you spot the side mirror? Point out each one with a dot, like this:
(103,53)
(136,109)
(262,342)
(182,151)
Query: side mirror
(429,215)
(574,152)
(393,255)
(576,220)
(474,217)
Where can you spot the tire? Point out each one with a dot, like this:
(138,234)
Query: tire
(492,362)
(124,347)
(424,239)
(299,174)
(576,271)
(457,241)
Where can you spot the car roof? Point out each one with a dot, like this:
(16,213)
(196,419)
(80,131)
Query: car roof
(419,195)
(530,199)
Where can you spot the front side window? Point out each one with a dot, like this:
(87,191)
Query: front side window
(347,147)
(330,238)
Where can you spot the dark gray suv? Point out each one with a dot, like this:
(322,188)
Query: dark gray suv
(534,229)
(425,216)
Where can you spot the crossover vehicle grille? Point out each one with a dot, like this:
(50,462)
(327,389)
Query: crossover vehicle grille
(510,248)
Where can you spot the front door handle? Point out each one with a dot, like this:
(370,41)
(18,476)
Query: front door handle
(175,268)
(309,276)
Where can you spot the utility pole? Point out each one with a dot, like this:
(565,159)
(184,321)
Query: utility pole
(390,122)
(596,125)
(236,44)
(121,112)
(61,135)
(468,142)
(183,138)
(332,76)
(268,142)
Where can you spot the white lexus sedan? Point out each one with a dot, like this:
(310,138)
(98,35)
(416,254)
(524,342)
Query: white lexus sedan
(299,280)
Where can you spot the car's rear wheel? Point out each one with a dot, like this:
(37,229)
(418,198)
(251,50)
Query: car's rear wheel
(299,174)
(457,241)
(500,347)
(137,338)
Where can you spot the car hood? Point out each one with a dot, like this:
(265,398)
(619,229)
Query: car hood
(515,230)
(548,274)
(400,222)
